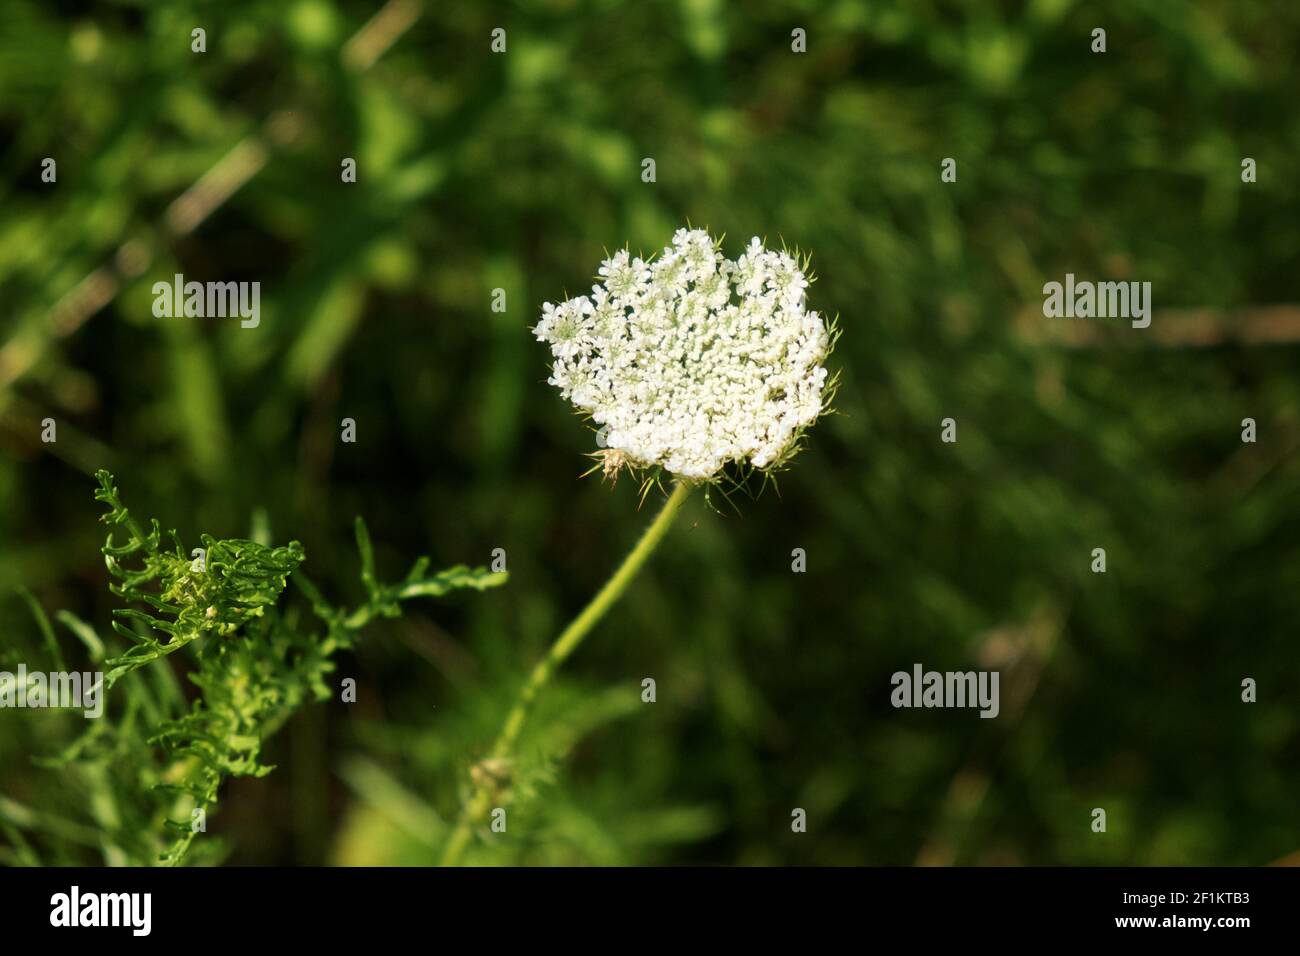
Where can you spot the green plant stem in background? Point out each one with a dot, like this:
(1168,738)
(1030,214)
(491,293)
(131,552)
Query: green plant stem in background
(560,651)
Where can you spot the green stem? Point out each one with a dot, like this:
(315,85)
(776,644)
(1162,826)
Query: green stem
(565,645)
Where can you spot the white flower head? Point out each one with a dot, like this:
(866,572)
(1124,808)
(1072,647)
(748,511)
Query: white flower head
(691,361)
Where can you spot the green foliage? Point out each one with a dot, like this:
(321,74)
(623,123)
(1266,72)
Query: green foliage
(479,171)
(227,585)
(254,667)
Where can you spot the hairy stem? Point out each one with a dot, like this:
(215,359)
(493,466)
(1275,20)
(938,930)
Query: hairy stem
(478,804)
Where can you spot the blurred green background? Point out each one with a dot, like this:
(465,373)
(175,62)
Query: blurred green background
(517,171)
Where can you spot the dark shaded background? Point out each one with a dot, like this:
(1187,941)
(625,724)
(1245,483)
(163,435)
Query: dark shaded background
(517,171)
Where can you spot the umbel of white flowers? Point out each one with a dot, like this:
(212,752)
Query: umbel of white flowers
(692,361)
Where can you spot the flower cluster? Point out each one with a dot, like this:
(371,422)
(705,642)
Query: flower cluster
(691,361)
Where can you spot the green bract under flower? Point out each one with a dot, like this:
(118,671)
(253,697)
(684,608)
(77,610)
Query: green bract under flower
(693,361)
